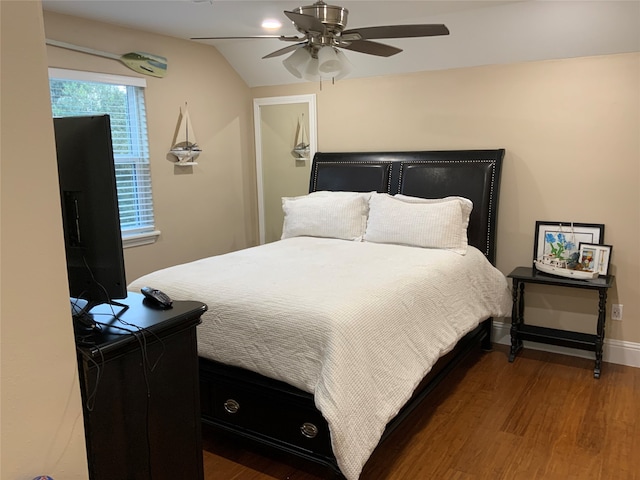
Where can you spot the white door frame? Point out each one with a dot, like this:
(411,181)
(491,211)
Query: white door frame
(258,103)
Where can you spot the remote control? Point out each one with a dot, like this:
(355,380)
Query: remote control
(156,297)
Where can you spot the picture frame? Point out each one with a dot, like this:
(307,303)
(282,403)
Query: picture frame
(564,238)
(596,257)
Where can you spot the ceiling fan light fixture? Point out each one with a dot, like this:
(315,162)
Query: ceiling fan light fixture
(346,66)
(311,71)
(328,62)
(296,63)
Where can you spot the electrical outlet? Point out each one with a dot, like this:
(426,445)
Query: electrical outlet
(616,311)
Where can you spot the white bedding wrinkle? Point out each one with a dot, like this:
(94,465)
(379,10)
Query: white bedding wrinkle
(306,310)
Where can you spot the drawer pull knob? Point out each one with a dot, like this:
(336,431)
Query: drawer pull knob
(309,430)
(231,406)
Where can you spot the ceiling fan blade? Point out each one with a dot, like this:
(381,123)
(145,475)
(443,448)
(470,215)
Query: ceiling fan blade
(307,23)
(395,31)
(372,48)
(279,37)
(284,50)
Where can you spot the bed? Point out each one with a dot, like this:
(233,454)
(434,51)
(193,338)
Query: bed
(320,344)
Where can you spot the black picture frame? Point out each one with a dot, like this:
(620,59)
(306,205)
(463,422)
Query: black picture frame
(575,232)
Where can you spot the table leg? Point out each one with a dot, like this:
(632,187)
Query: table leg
(517,317)
(602,315)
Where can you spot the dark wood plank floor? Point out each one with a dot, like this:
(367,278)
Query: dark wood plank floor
(542,417)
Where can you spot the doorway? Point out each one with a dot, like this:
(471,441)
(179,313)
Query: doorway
(280,124)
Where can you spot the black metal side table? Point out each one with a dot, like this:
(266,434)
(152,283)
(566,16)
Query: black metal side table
(584,341)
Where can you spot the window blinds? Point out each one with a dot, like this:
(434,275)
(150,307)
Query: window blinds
(75,93)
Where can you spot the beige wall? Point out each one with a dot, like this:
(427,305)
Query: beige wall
(203,210)
(571,130)
(42,429)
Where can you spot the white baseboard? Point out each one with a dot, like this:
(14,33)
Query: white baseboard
(614,351)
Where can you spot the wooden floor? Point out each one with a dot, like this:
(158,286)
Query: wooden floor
(542,417)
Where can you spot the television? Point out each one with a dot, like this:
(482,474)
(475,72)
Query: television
(90,215)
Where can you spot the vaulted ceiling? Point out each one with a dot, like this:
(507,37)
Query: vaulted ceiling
(482,32)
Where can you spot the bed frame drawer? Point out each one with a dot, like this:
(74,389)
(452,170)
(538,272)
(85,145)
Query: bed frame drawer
(278,415)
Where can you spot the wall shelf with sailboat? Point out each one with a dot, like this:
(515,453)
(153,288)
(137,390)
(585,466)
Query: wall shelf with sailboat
(184,146)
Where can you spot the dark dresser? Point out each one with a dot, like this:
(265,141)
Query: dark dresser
(140,393)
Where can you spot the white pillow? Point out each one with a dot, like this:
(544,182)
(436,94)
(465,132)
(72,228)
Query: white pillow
(429,223)
(341,215)
(465,204)
(340,194)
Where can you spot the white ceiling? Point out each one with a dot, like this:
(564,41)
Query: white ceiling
(482,32)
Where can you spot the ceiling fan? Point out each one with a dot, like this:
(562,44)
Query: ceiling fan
(317,52)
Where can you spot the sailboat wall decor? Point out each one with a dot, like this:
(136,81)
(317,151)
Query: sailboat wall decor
(301,145)
(184,146)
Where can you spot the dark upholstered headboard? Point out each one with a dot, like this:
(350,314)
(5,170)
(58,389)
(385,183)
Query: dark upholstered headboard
(473,174)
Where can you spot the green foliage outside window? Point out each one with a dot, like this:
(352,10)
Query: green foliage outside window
(125,106)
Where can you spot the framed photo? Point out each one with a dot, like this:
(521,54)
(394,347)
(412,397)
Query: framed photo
(595,257)
(563,239)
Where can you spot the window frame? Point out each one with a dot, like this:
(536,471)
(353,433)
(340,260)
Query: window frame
(131,237)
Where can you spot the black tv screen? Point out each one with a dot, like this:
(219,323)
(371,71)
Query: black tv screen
(92,237)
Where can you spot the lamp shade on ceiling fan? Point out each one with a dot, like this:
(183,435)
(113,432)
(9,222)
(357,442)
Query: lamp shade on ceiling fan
(296,62)
(328,63)
(345,66)
(311,71)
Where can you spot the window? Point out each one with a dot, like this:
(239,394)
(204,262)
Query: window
(76,93)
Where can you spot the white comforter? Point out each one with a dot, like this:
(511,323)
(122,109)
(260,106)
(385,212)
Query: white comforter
(357,324)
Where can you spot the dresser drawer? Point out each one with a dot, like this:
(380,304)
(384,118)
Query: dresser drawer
(266,415)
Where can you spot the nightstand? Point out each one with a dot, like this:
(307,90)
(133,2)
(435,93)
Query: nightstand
(584,341)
